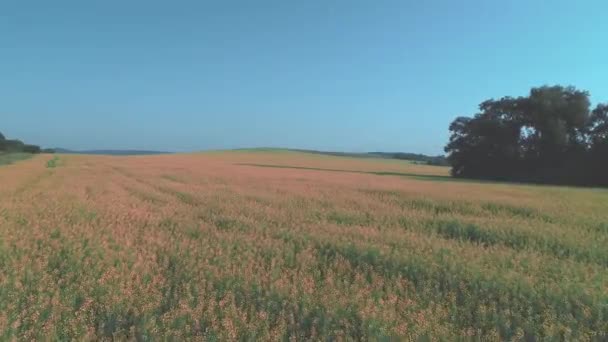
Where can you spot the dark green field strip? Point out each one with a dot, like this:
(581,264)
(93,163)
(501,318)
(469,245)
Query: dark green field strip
(495,211)
(173,178)
(518,240)
(485,209)
(10,158)
(534,267)
(181,196)
(490,210)
(377,173)
(144,191)
(417,176)
(590,250)
(144,195)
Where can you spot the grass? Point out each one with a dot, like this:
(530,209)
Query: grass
(199,246)
(53,162)
(10,158)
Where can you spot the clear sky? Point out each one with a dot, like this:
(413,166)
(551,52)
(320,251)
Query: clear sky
(334,75)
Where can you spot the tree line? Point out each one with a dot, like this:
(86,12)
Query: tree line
(18,146)
(414,157)
(553,135)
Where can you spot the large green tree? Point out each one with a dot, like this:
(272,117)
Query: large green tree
(598,140)
(551,135)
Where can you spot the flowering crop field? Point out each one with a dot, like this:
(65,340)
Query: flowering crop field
(291,246)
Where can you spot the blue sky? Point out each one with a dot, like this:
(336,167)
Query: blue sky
(332,75)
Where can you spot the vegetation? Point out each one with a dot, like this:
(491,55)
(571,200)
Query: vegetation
(214,247)
(549,136)
(417,157)
(18,146)
(9,158)
(52,163)
(111,152)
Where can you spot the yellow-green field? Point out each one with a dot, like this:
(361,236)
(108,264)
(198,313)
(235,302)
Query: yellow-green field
(282,245)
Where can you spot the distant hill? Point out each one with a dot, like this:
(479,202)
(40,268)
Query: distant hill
(111,152)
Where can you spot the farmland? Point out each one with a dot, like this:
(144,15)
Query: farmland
(278,245)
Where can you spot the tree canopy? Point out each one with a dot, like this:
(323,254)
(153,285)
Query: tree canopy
(549,136)
(13,146)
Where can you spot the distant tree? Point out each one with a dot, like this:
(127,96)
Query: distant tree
(14,145)
(547,136)
(438,161)
(31,149)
